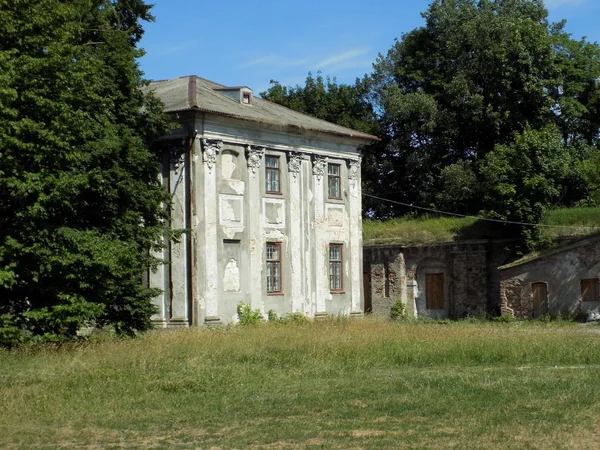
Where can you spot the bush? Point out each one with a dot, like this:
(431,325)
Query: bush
(247,315)
(295,317)
(399,310)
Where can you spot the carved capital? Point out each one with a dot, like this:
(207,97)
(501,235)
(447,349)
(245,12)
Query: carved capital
(319,165)
(210,149)
(177,154)
(253,156)
(294,163)
(354,170)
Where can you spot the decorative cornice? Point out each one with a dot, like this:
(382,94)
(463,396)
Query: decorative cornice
(319,163)
(294,163)
(253,155)
(210,149)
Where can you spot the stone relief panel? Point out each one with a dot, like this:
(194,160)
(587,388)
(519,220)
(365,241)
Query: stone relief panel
(231,208)
(336,215)
(231,171)
(274,212)
(231,270)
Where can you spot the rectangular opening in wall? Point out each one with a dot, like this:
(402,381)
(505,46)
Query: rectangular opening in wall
(336,283)
(589,290)
(274,268)
(539,300)
(434,291)
(333,181)
(272,175)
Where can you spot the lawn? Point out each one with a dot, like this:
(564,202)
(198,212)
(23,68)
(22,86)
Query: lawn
(565,222)
(333,384)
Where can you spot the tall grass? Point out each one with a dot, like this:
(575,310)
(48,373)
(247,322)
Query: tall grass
(333,384)
(414,231)
(410,231)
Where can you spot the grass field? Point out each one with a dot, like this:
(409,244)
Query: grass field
(572,222)
(341,384)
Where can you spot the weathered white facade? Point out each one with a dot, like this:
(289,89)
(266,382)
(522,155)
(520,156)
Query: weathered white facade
(271,203)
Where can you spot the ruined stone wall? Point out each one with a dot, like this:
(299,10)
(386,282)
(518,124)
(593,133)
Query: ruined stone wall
(562,271)
(469,269)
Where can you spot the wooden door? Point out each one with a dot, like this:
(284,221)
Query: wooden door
(539,293)
(434,291)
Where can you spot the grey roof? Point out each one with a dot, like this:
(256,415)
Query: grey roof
(195,93)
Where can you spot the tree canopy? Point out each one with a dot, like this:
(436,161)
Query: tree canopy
(79,190)
(481,79)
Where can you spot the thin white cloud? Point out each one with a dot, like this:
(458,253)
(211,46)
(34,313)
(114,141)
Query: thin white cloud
(551,4)
(274,61)
(343,57)
(262,60)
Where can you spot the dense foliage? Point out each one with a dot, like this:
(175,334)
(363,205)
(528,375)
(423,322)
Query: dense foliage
(483,85)
(79,191)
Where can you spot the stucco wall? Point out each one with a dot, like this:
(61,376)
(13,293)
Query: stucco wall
(562,270)
(219,196)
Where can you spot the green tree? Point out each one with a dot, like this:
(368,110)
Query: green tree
(79,192)
(479,73)
(524,177)
(343,104)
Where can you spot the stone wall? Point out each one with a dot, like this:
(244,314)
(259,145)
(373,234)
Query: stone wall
(469,270)
(562,271)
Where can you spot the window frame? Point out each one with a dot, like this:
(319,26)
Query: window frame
(339,264)
(269,268)
(277,170)
(337,177)
(596,283)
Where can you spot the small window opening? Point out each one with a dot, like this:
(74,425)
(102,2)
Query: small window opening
(589,290)
(246,98)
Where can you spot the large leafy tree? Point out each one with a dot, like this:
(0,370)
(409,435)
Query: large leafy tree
(79,191)
(478,74)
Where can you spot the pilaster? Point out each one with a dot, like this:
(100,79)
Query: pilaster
(254,157)
(210,149)
(321,249)
(355,236)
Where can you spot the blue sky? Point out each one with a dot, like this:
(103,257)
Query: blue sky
(250,42)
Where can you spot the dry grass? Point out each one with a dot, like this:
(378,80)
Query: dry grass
(337,384)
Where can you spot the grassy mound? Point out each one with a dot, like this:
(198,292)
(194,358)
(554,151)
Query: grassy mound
(557,223)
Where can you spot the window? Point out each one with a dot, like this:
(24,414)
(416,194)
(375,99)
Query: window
(246,98)
(333,180)
(434,291)
(272,175)
(273,267)
(335,268)
(589,290)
